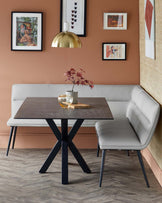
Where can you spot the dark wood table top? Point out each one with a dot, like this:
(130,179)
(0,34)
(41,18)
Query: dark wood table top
(49,108)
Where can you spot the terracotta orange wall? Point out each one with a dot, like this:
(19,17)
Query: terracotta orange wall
(49,65)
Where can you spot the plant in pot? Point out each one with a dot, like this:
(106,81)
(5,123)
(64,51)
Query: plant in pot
(76,78)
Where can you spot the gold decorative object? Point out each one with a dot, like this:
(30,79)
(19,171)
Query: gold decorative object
(62,100)
(64,104)
(66,39)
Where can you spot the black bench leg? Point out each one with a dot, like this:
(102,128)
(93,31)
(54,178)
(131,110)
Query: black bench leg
(102,166)
(143,168)
(9,141)
(14,136)
(98,150)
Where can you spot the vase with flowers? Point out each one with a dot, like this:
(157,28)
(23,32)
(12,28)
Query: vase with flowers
(76,77)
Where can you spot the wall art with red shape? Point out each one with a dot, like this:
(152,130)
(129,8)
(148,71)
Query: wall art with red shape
(149,29)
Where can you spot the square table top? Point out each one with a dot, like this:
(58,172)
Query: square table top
(49,108)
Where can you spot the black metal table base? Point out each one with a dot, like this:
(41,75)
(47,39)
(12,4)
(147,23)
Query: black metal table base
(65,141)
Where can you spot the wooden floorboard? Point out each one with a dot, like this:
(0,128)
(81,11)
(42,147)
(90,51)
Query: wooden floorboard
(20,181)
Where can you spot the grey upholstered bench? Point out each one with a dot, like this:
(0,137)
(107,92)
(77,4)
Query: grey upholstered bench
(118,97)
(134,132)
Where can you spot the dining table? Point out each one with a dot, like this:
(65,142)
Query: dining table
(48,108)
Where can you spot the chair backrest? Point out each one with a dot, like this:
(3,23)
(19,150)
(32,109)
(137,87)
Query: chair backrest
(143,113)
(119,94)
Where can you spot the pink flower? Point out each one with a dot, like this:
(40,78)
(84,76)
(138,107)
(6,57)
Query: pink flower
(82,82)
(76,78)
(79,74)
(72,70)
(77,82)
(68,73)
(91,86)
(82,70)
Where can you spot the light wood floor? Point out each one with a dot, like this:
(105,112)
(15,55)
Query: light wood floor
(20,181)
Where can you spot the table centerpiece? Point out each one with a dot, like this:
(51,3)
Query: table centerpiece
(76,77)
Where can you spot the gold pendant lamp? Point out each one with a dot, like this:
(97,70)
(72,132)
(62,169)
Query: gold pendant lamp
(66,39)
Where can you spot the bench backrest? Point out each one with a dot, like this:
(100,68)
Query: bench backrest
(143,113)
(118,94)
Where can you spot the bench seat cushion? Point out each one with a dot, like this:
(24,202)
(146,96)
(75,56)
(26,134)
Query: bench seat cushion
(117,134)
(43,123)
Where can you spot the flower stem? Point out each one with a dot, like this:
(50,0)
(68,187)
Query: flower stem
(73,87)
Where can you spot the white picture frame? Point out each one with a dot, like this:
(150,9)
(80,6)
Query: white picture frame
(115,21)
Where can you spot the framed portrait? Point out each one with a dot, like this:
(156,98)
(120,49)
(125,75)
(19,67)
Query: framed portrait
(113,51)
(73,13)
(115,21)
(26,31)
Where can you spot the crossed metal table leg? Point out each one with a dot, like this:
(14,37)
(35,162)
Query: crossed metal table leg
(65,141)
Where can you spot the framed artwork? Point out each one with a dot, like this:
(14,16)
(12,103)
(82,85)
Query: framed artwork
(113,51)
(149,29)
(26,31)
(73,12)
(115,21)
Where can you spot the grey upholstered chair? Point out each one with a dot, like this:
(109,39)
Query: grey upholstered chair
(132,133)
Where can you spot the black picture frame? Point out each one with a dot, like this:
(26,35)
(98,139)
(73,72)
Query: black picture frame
(26,31)
(114,51)
(75,24)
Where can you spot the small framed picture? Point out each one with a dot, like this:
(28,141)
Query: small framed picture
(73,13)
(26,31)
(115,21)
(113,51)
